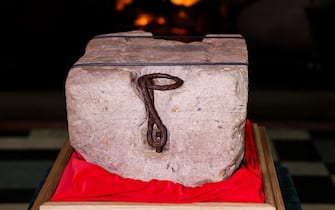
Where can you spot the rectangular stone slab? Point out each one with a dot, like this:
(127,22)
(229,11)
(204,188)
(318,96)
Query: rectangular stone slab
(205,117)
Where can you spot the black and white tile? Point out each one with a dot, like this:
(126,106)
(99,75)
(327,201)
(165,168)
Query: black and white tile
(25,158)
(309,156)
(27,155)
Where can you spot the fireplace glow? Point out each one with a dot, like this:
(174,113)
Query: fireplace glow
(185,3)
(179,31)
(164,17)
(182,14)
(143,19)
(161,20)
(121,4)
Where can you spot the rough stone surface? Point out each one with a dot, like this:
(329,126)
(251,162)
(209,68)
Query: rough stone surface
(205,117)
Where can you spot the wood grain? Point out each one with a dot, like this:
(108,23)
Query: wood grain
(146,206)
(278,199)
(55,174)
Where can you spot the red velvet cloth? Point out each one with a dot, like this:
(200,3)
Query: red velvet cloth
(83,181)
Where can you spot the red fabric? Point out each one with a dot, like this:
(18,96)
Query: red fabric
(83,181)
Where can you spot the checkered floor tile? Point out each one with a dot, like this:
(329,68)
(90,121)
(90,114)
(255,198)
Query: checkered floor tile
(310,158)
(308,155)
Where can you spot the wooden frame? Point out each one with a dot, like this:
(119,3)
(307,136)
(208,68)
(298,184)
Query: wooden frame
(274,200)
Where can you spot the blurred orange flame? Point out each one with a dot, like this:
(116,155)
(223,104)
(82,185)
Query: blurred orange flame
(161,20)
(143,19)
(179,31)
(185,3)
(121,4)
(182,14)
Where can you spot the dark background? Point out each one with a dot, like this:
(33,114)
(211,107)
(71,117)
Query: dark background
(290,43)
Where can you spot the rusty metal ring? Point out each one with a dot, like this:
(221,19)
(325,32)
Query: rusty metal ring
(157,131)
(149,77)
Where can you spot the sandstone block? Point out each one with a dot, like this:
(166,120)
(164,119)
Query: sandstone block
(204,116)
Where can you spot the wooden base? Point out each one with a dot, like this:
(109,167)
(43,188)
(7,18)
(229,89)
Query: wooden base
(274,200)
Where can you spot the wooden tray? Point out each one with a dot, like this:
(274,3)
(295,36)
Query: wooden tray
(274,200)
